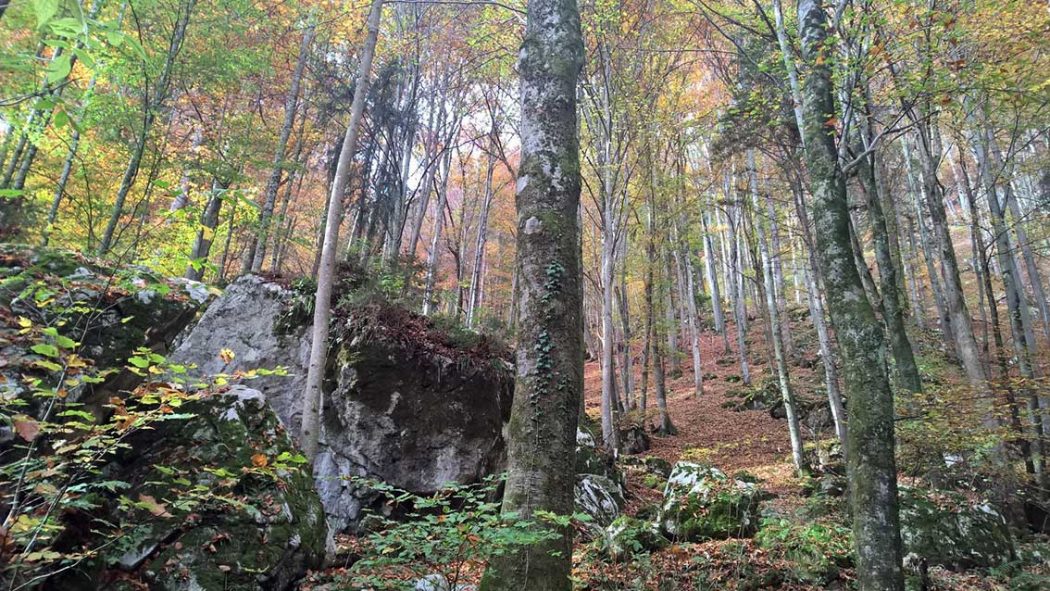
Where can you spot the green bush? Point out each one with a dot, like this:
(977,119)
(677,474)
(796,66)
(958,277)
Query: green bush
(442,533)
(816,549)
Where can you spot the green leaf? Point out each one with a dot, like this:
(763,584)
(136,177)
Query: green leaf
(59,68)
(45,10)
(45,349)
(61,119)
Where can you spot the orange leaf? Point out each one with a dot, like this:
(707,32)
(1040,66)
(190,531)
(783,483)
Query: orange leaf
(260,460)
(26,427)
(150,504)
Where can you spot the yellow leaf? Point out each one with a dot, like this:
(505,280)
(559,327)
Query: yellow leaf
(226,355)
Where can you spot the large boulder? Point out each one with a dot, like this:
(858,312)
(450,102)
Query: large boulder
(948,529)
(216,497)
(628,536)
(403,404)
(702,503)
(110,311)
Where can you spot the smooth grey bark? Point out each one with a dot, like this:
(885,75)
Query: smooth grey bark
(778,277)
(871,465)
(549,381)
(915,286)
(779,354)
(627,362)
(670,306)
(152,107)
(961,320)
(291,104)
(310,429)
(1014,304)
(60,187)
(434,256)
(814,283)
(610,432)
(295,178)
(985,276)
(918,191)
(649,305)
(737,286)
(688,289)
(474,296)
(711,275)
(182,198)
(1035,278)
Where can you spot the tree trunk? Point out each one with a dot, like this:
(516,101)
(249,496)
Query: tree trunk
(291,104)
(206,233)
(871,465)
(310,430)
(892,313)
(1014,303)
(779,354)
(814,282)
(549,384)
(474,298)
(711,273)
(736,291)
(434,257)
(152,107)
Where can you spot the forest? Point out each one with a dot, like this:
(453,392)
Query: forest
(524,295)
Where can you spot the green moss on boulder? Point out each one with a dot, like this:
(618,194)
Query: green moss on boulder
(948,529)
(702,503)
(222,500)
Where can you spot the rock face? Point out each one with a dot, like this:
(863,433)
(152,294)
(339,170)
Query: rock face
(401,405)
(599,485)
(702,503)
(947,529)
(224,501)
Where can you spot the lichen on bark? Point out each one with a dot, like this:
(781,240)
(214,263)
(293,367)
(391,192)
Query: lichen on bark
(549,381)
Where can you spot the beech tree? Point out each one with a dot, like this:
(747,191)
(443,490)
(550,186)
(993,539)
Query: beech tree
(549,370)
(871,464)
(312,397)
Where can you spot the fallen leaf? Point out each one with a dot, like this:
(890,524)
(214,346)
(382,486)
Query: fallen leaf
(26,427)
(150,504)
(260,460)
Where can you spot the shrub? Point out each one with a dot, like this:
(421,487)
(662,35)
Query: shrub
(817,549)
(449,533)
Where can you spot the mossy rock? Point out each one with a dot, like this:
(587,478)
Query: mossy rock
(629,536)
(592,459)
(222,500)
(948,529)
(110,311)
(703,503)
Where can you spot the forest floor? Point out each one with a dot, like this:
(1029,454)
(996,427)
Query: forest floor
(709,431)
(731,440)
